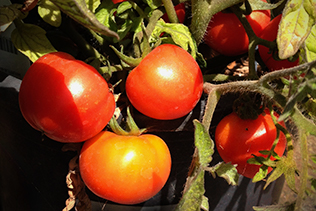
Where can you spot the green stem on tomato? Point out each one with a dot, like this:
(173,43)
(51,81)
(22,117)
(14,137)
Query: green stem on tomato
(171,12)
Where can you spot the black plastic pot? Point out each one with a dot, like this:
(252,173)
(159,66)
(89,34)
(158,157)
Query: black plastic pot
(33,168)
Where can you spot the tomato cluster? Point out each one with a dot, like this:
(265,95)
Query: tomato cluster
(226,34)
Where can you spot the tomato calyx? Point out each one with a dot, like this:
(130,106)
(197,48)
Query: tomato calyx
(131,128)
(249,105)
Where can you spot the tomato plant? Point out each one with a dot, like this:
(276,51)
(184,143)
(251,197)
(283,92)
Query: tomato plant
(66,99)
(226,35)
(270,33)
(125,169)
(180,11)
(237,140)
(177,84)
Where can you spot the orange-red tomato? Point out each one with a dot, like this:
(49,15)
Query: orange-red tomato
(125,169)
(237,139)
(66,99)
(226,35)
(270,33)
(167,84)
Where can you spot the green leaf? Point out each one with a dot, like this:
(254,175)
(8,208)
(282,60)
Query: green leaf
(310,47)
(92,4)
(124,6)
(305,89)
(179,33)
(226,171)
(49,12)
(261,174)
(132,62)
(78,11)
(203,143)
(153,4)
(286,165)
(297,20)
(31,40)
(193,197)
(8,14)
(261,5)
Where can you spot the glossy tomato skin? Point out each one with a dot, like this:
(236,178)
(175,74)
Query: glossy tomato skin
(180,11)
(125,169)
(237,139)
(66,99)
(167,84)
(118,1)
(226,35)
(270,33)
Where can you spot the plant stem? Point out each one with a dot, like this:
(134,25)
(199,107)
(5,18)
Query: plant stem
(171,12)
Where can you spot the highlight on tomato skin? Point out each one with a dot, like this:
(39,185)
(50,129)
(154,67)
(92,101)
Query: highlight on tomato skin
(125,169)
(238,139)
(167,84)
(66,99)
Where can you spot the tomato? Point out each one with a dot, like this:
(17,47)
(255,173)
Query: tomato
(270,33)
(167,84)
(180,11)
(237,139)
(125,169)
(118,1)
(226,35)
(66,99)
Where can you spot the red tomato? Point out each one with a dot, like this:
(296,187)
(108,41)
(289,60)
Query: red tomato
(226,35)
(118,1)
(270,33)
(125,169)
(180,10)
(65,98)
(237,139)
(167,84)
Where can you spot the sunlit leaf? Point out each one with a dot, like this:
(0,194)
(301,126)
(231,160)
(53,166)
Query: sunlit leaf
(92,4)
(226,171)
(193,197)
(297,20)
(180,35)
(31,41)
(203,143)
(310,47)
(49,12)
(78,11)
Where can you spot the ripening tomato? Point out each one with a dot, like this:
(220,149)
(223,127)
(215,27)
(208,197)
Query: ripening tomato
(226,35)
(125,169)
(180,11)
(270,33)
(66,99)
(237,139)
(118,1)
(167,84)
